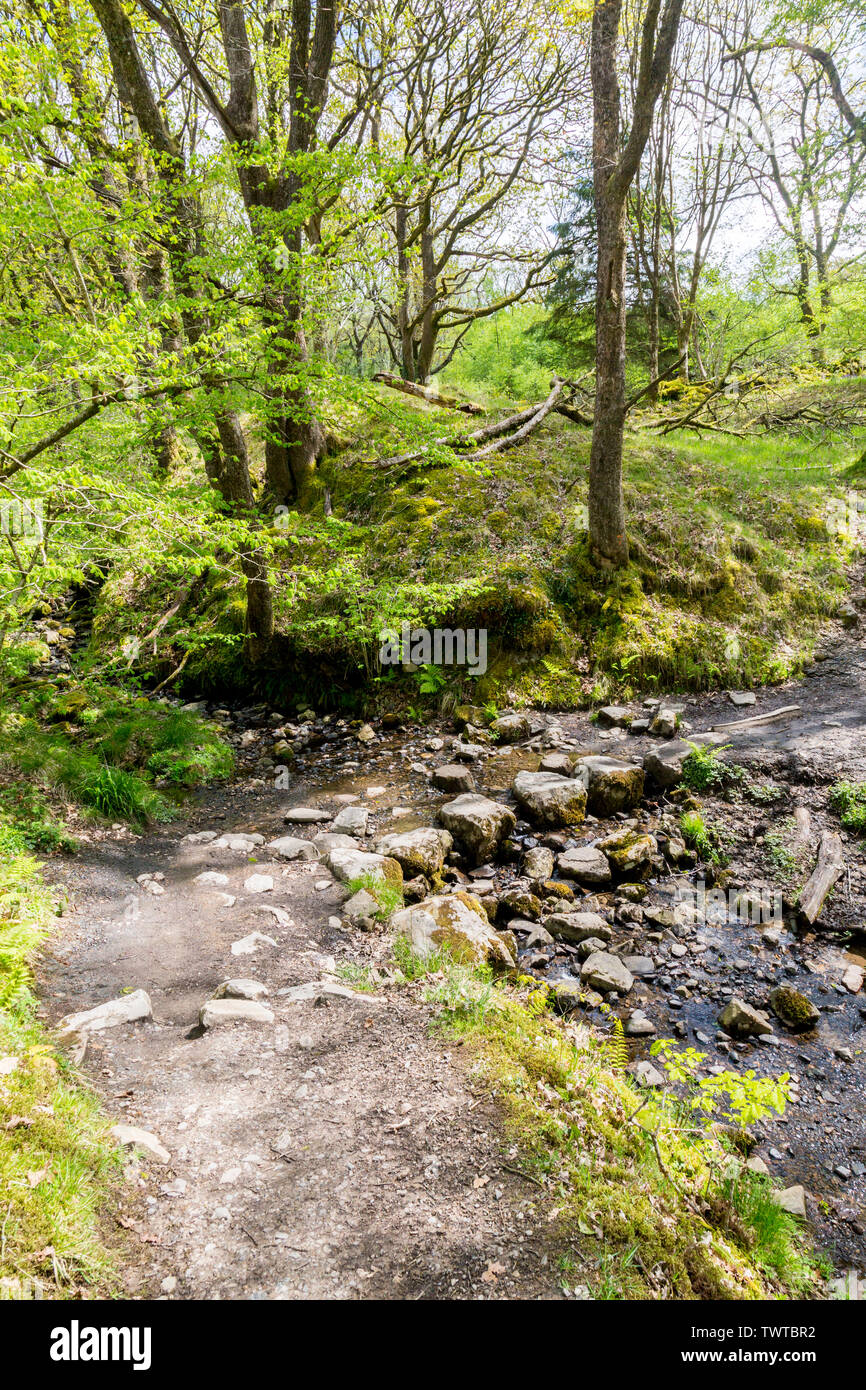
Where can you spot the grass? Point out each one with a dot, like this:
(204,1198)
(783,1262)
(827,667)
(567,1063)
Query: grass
(640,1184)
(848,800)
(703,838)
(387,894)
(57,1160)
(110,752)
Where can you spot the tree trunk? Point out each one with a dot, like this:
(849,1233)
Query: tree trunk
(607,534)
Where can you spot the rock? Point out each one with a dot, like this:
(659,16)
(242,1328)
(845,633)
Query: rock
(741,697)
(664,722)
(743,1021)
(130,1136)
(241,989)
(628,852)
(469,714)
(614,717)
(479,823)
(637,1025)
(420,851)
(245,843)
(642,966)
(361,904)
(563,763)
(589,947)
(453,922)
(538,936)
(577,926)
(326,840)
(306,815)
(352,820)
(853,978)
(538,863)
(756,1164)
(201,837)
(217,1011)
(612,784)
(290,847)
(606,973)
(567,994)
(248,944)
(550,799)
(129,1008)
(366,733)
(259,883)
(793,1200)
(349,864)
(664,766)
(793,1008)
(510,728)
(585,864)
(210,879)
(517,902)
(453,777)
(645,1074)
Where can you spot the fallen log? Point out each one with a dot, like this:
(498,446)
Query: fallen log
(522,423)
(824,876)
(758,719)
(426,393)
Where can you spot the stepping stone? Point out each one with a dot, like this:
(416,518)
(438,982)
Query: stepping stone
(352,820)
(217,1011)
(130,1136)
(306,815)
(453,777)
(290,847)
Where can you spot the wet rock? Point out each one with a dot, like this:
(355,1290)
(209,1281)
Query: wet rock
(585,865)
(645,1074)
(456,923)
(793,1008)
(606,973)
(129,1008)
(349,864)
(479,823)
(577,926)
(217,1011)
(538,863)
(241,989)
(550,799)
(290,847)
(130,1136)
(420,851)
(510,728)
(637,1025)
(639,965)
(452,777)
(741,1020)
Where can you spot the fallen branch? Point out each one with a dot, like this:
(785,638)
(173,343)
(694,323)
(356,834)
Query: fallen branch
(426,393)
(758,719)
(519,435)
(824,876)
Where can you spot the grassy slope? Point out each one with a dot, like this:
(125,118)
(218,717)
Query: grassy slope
(57,1160)
(734,567)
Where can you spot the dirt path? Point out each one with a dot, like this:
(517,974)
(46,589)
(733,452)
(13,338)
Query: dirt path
(337,1152)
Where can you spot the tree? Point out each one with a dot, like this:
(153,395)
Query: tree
(615,165)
